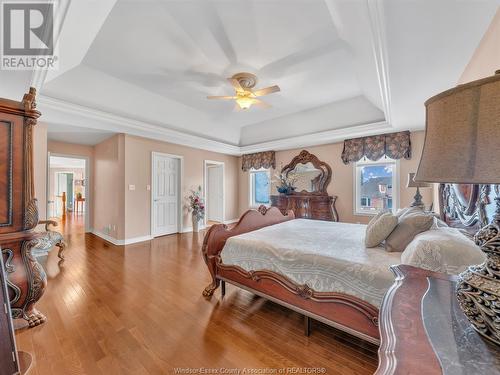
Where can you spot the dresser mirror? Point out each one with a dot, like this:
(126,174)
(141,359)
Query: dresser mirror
(307,177)
(309,174)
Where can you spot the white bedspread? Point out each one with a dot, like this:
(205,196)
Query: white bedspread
(327,256)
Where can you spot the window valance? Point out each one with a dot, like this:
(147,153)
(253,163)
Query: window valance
(258,160)
(393,145)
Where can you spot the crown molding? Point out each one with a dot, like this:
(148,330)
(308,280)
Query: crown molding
(100,120)
(378,39)
(38,76)
(320,138)
(120,124)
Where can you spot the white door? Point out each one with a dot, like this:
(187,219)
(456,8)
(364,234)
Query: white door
(165,194)
(215,192)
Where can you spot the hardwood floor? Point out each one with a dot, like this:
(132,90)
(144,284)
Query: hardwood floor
(138,309)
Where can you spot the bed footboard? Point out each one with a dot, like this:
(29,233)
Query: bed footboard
(217,235)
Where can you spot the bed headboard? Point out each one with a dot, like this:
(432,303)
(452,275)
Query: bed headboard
(467,206)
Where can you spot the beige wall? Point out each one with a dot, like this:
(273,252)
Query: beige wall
(343,176)
(486,58)
(124,160)
(109,187)
(40,167)
(138,172)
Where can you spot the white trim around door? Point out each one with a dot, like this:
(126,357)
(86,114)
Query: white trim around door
(88,182)
(206,164)
(180,177)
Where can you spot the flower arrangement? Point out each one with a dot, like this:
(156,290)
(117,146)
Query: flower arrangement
(196,204)
(285,182)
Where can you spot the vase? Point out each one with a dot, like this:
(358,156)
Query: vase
(281,189)
(196,224)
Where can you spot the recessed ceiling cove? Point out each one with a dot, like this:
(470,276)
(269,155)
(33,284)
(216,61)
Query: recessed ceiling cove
(338,64)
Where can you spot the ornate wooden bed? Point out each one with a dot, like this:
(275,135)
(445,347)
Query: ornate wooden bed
(460,206)
(342,311)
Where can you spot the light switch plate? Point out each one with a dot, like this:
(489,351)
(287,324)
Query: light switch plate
(131,187)
(148,187)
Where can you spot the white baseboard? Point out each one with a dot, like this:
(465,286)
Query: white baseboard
(190,229)
(117,242)
(203,226)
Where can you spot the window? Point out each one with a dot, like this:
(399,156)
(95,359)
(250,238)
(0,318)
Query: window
(376,186)
(260,184)
(365,201)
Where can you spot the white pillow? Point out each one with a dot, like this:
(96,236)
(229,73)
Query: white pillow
(378,230)
(442,250)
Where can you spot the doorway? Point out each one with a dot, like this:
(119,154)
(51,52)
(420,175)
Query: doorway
(166,175)
(67,188)
(214,192)
(64,190)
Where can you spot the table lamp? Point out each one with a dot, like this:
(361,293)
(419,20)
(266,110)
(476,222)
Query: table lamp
(462,145)
(417,199)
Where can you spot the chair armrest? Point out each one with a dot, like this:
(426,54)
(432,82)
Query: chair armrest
(47,223)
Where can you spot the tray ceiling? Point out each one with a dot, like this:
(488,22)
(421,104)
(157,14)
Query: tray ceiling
(344,67)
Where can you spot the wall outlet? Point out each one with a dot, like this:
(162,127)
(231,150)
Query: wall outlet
(131,187)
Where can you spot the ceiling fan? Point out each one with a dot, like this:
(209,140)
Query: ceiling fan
(245,97)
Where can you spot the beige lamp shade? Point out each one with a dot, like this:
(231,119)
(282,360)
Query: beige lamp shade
(462,139)
(413,184)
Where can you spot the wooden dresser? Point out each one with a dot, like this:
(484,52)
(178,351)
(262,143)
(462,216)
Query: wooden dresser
(310,178)
(307,206)
(424,331)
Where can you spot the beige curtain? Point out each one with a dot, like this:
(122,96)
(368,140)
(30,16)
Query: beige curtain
(259,160)
(393,145)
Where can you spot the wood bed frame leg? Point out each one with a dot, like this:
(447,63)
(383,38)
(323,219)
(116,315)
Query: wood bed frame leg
(307,326)
(223,288)
(209,290)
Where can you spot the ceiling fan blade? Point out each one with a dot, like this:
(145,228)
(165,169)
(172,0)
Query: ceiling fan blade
(266,91)
(236,85)
(261,104)
(222,97)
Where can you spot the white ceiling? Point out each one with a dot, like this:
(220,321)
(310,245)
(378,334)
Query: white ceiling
(76,134)
(345,68)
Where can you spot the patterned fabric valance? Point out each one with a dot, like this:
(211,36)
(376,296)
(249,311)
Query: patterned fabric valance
(393,145)
(259,160)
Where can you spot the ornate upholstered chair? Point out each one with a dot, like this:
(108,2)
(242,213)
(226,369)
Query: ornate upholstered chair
(50,239)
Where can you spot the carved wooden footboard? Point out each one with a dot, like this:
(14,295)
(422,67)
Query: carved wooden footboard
(342,311)
(217,235)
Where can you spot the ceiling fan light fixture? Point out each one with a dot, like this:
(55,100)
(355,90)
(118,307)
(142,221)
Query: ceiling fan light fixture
(245,96)
(244,102)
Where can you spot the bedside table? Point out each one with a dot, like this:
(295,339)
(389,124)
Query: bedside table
(423,331)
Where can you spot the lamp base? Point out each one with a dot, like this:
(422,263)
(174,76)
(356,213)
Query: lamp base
(417,199)
(478,287)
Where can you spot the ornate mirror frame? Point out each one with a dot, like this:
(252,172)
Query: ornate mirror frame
(322,181)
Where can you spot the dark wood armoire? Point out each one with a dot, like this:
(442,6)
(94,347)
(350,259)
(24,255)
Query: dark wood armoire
(9,360)
(26,279)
